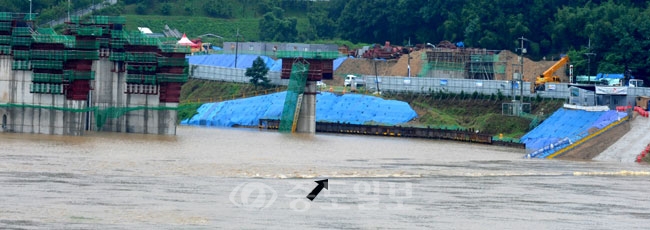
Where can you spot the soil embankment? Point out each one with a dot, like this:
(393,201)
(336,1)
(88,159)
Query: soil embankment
(593,147)
(399,67)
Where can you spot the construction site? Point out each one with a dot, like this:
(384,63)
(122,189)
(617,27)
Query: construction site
(95,76)
(446,61)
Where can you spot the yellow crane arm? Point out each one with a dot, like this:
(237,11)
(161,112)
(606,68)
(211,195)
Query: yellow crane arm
(555,67)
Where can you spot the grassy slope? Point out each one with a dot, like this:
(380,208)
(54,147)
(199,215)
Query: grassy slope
(481,114)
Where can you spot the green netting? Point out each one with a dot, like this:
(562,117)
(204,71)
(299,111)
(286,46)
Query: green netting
(6,16)
(308,54)
(101,114)
(90,31)
(143,41)
(116,56)
(46,31)
(46,88)
(47,78)
(5,40)
(296,88)
(5,49)
(86,44)
(118,43)
(117,34)
(22,31)
(168,77)
(72,75)
(141,79)
(47,64)
(141,68)
(5,26)
(58,55)
(30,17)
(174,48)
(21,41)
(165,61)
(21,54)
(484,58)
(450,66)
(74,19)
(82,55)
(20,65)
(425,70)
(104,42)
(500,68)
(67,40)
(99,19)
(141,57)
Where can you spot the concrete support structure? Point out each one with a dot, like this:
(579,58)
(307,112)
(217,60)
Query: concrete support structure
(109,93)
(24,112)
(307,116)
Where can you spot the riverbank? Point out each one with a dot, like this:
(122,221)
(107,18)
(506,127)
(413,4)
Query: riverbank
(436,109)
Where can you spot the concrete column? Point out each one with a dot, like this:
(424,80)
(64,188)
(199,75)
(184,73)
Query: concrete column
(307,116)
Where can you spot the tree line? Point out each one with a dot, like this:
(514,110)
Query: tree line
(617,32)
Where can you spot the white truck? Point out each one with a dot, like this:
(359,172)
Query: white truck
(352,79)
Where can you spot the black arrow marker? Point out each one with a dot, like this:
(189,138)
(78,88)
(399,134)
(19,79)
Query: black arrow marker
(314,193)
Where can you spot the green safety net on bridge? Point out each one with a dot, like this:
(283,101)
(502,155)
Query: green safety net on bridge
(101,114)
(297,82)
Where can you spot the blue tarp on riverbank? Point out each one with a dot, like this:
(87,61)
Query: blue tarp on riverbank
(567,123)
(348,108)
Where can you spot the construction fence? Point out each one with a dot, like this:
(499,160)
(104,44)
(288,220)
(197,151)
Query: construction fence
(216,73)
(416,84)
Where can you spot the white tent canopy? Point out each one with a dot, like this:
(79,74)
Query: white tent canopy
(185,41)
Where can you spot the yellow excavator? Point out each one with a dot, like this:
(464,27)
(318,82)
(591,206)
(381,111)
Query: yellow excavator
(548,75)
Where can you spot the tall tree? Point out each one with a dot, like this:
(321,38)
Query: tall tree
(257,72)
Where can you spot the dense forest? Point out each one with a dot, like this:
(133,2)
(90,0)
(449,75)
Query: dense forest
(617,32)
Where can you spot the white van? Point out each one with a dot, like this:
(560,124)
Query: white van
(350,79)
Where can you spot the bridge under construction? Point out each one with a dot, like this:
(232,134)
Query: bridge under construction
(95,76)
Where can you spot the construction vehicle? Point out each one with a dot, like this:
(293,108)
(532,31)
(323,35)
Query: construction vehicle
(385,52)
(549,74)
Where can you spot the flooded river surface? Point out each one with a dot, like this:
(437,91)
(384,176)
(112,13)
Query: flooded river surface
(205,178)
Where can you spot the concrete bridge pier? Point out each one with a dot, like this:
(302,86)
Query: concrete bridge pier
(307,115)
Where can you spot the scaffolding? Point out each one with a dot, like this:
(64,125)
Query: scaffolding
(463,63)
(296,88)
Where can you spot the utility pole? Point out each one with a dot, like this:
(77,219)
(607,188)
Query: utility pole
(68,10)
(30,10)
(236,46)
(589,60)
(521,62)
(374,60)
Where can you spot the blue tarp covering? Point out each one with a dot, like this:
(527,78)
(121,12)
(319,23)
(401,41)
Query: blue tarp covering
(244,61)
(609,75)
(337,62)
(565,123)
(348,108)
(228,60)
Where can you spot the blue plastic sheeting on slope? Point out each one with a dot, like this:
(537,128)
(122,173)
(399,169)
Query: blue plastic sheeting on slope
(228,60)
(564,123)
(361,109)
(349,108)
(337,62)
(277,66)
